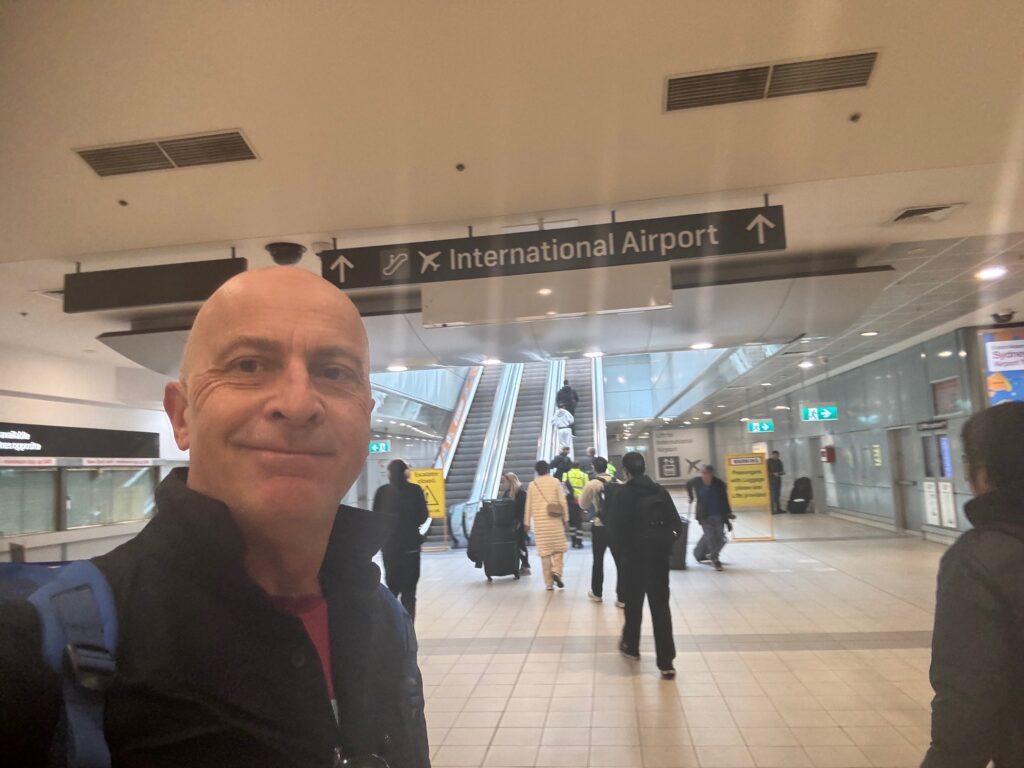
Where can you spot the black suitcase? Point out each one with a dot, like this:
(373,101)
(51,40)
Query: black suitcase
(502,559)
(501,552)
(800,497)
(677,559)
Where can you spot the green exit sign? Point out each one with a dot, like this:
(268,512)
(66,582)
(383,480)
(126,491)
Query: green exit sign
(760,426)
(380,446)
(820,412)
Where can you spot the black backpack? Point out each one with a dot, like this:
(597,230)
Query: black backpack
(656,511)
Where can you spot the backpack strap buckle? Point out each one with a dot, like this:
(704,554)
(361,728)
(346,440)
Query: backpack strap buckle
(92,668)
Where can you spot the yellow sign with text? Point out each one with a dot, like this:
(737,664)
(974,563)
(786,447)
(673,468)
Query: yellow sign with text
(746,475)
(432,483)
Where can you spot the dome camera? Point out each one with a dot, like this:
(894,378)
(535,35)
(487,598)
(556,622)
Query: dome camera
(1004,317)
(285,253)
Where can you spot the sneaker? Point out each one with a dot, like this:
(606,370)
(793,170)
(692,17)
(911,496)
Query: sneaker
(557,578)
(718,564)
(628,652)
(595,598)
(619,604)
(668,674)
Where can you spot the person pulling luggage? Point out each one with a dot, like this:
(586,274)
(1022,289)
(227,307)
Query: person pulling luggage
(714,515)
(547,514)
(511,488)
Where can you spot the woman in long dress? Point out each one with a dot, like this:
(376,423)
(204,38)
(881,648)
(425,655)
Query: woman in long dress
(547,513)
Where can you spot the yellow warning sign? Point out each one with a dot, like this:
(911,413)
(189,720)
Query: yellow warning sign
(746,475)
(432,483)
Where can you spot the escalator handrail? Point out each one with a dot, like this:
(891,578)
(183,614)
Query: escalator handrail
(492,453)
(546,447)
(446,453)
(597,400)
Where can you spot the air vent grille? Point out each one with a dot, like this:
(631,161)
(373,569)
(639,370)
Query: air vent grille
(164,154)
(769,81)
(717,88)
(821,74)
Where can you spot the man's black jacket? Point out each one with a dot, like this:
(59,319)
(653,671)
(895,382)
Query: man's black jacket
(209,673)
(978,645)
(406,509)
(720,491)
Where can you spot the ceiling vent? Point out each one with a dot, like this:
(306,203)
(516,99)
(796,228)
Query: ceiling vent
(164,154)
(927,212)
(769,81)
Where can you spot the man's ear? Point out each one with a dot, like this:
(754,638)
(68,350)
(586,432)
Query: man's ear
(175,404)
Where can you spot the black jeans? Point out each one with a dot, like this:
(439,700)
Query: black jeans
(599,543)
(775,489)
(647,576)
(401,574)
(523,540)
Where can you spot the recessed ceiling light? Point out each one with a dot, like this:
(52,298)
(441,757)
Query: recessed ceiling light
(719,406)
(991,273)
(962,353)
(621,380)
(492,361)
(805,364)
(695,418)
(593,354)
(550,313)
(702,345)
(805,341)
(544,291)
(397,368)
(744,419)
(782,408)
(868,334)
(766,384)
(687,423)
(945,353)
(706,413)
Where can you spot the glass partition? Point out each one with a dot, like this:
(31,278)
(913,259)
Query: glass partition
(104,495)
(27,501)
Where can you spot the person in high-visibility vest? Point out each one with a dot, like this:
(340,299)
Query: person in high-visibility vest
(612,471)
(575,479)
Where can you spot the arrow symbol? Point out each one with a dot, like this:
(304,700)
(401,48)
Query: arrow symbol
(340,264)
(760,221)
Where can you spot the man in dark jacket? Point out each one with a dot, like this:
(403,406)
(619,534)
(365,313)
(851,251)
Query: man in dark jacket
(567,398)
(977,666)
(714,515)
(643,524)
(561,464)
(405,508)
(253,629)
(776,470)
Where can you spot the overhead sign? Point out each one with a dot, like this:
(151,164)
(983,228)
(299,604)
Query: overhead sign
(624,243)
(761,425)
(380,446)
(432,483)
(1005,355)
(746,479)
(30,440)
(820,412)
(680,454)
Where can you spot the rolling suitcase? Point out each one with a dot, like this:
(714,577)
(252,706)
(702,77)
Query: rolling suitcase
(800,497)
(677,559)
(501,556)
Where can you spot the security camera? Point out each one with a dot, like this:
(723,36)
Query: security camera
(285,253)
(1004,317)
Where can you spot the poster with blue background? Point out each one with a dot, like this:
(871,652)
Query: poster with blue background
(1003,359)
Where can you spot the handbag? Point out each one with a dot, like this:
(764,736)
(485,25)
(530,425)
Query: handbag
(554,509)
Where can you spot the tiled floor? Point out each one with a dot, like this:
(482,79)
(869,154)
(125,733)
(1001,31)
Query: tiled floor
(809,651)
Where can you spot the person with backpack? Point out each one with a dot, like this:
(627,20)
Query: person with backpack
(644,524)
(596,495)
(977,669)
(547,513)
(714,515)
(567,398)
(405,506)
(246,623)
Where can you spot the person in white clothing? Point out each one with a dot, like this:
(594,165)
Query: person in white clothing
(563,421)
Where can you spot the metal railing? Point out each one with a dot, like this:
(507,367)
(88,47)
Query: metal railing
(597,398)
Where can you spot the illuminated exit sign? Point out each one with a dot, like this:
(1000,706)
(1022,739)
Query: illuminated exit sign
(760,426)
(380,446)
(820,412)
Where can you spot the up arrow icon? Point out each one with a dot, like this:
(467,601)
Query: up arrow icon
(760,221)
(341,263)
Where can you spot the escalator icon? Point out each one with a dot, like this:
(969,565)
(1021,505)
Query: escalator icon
(394,265)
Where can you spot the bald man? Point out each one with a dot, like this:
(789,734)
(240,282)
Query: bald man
(254,630)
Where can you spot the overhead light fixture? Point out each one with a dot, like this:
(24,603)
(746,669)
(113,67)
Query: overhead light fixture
(991,273)
(945,353)
(492,361)
(621,380)
(868,334)
(706,413)
(544,292)
(550,313)
(783,408)
(719,406)
(744,419)
(702,345)
(805,364)
(593,354)
(962,353)
(805,341)
(397,368)
(687,423)
(766,384)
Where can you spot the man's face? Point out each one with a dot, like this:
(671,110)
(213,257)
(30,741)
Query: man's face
(707,476)
(276,405)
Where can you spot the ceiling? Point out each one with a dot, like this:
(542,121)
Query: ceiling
(359,112)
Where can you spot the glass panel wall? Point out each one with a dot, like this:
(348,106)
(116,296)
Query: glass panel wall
(28,500)
(104,495)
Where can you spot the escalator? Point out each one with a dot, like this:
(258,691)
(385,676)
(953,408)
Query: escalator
(459,481)
(527,422)
(579,374)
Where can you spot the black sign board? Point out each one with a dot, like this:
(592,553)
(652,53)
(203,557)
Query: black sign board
(188,282)
(669,467)
(601,245)
(928,426)
(33,440)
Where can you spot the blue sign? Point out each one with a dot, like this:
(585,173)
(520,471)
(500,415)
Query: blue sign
(380,446)
(760,426)
(820,412)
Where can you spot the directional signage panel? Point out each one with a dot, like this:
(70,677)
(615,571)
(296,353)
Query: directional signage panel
(380,446)
(761,425)
(819,412)
(696,235)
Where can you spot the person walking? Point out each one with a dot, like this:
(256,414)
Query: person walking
(714,515)
(562,421)
(775,472)
(596,495)
(644,524)
(561,464)
(977,669)
(511,488)
(405,506)
(547,513)
(575,479)
(567,398)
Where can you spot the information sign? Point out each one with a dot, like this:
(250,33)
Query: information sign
(759,426)
(380,446)
(746,477)
(819,412)
(432,483)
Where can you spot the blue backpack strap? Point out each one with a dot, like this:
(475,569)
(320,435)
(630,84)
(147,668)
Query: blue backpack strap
(79,626)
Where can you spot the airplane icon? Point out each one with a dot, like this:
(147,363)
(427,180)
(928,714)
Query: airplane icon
(692,466)
(429,260)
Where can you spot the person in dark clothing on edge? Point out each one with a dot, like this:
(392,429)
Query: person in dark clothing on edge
(597,496)
(644,523)
(714,515)
(406,507)
(567,398)
(561,464)
(252,626)
(977,667)
(775,473)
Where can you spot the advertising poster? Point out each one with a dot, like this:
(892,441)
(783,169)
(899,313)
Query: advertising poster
(931,503)
(1003,363)
(679,454)
(947,506)
(746,475)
